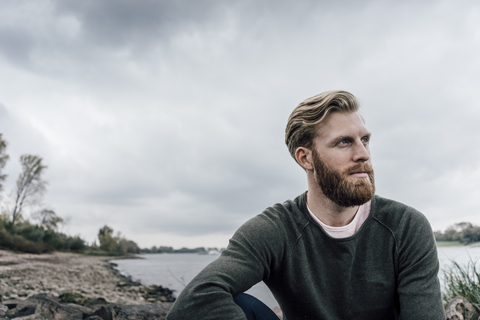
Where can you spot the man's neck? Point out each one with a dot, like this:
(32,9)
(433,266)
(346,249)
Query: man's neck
(326,210)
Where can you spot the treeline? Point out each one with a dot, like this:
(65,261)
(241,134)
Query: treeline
(24,236)
(162,249)
(115,245)
(41,234)
(463,232)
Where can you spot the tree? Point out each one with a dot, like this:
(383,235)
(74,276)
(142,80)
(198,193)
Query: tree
(116,245)
(3,159)
(464,232)
(107,242)
(29,184)
(48,219)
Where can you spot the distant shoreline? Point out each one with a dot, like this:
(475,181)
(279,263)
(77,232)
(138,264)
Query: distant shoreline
(443,244)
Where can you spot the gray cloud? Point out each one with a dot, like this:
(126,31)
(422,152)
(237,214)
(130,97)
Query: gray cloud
(16,44)
(126,24)
(165,119)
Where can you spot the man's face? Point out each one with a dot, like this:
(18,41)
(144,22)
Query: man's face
(341,158)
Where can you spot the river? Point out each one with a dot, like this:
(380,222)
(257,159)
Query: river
(176,270)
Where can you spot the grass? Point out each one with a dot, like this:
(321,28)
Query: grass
(456,244)
(463,281)
(70,297)
(449,244)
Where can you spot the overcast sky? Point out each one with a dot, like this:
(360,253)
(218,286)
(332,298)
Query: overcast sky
(165,119)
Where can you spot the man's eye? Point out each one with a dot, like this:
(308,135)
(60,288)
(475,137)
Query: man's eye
(365,139)
(344,141)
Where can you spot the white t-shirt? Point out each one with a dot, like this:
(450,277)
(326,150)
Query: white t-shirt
(350,229)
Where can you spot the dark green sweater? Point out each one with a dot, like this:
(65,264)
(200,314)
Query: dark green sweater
(387,270)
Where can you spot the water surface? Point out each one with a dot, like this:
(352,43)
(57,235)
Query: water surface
(176,270)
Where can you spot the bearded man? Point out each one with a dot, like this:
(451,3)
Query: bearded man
(336,252)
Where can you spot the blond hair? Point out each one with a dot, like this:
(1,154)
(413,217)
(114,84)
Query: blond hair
(304,120)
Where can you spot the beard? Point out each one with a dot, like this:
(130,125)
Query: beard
(337,186)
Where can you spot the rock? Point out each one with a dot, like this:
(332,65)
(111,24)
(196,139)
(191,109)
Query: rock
(43,306)
(104,312)
(156,293)
(87,312)
(156,311)
(460,308)
(22,311)
(92,318)
(3,310)
(42,297)
(11,303)
(96,303)
(49,309)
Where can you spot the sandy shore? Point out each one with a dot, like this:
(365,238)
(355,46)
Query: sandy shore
(23,275)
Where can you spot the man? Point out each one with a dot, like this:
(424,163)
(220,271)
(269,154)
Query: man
(337,251)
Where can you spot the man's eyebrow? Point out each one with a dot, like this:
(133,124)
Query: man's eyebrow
(342,137)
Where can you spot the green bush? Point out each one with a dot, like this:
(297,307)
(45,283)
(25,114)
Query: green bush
(463,281)
(29,232)
(70,297)
(74,244)
(26,237)
(18,243)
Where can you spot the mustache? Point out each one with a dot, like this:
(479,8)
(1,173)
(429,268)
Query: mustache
(361,167)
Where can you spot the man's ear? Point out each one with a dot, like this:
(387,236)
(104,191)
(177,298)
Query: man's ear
(304,158)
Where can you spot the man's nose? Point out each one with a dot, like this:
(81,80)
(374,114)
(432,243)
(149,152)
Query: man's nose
(361,152)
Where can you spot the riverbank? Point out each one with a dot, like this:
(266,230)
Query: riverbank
(443,244)
(88,277)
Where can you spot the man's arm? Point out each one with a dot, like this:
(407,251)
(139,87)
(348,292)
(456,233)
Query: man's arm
(418,286)
(248,259)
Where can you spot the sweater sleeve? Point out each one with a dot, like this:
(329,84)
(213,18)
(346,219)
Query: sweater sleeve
(418,285)
(248,259)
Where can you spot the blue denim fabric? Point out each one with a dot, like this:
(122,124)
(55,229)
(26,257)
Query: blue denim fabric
(253,308)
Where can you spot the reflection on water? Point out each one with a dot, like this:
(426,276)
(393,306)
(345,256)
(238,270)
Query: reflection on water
(176,270)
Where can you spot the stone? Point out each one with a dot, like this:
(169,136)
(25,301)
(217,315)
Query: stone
(104,312)
(157,311)
(21,311)
(53,310)
(3,310)
(96,303)
(87,312)
(11,303)
(30,317)
(43,306)
(460,308)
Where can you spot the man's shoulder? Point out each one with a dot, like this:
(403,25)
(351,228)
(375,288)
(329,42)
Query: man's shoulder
(274,228)
(289,214)
(288,210)
(397,216)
